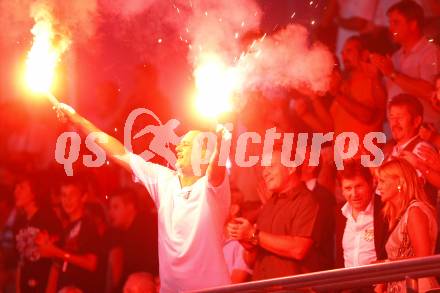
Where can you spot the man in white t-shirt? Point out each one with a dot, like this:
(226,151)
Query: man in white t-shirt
(413,68)
(192,208)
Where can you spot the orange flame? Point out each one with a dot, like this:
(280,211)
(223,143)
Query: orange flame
(215,85)
(44,55)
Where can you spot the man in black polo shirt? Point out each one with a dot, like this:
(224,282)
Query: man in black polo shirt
(282,239)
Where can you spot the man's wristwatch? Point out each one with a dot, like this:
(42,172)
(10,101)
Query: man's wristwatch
(66,258)
(254,240)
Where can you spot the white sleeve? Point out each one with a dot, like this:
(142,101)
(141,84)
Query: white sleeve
(221,194)
(149,174)
(222,190)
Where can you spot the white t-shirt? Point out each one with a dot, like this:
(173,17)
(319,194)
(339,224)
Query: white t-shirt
(358,239)
(190,227)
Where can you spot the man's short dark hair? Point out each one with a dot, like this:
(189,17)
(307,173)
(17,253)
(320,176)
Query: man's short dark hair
(359,39)
(78,181)
(410,10)
(352,169)
(35,183)
(127,195)
(414,106)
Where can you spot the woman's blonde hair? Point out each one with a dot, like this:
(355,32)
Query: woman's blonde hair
(411,188)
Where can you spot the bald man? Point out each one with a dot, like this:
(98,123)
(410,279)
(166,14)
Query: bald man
(192,204)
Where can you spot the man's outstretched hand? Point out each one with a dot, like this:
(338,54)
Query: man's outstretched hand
(63,111)
(222,132)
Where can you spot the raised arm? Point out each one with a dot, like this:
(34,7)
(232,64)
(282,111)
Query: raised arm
(363,112)
(216,171)
(414,86)
(358,24)
(320,119)
(418,87)
(113,147)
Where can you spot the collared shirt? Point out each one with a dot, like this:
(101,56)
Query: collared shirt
(293,213)
(190,227)
(358,239)
(421,62)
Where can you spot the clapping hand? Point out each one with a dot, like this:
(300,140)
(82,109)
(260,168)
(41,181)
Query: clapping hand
(240,229)
(383,63)
(431,156)
(370,69)
(45,245)
(413,159)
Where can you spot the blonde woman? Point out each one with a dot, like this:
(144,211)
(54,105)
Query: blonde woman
(412,223)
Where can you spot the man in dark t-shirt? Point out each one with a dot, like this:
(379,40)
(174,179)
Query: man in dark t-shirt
(81,238)
(33,219)
(134,236)
(76,259)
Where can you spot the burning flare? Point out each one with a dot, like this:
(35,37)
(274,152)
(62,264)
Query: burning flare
(215,85)
(45,53)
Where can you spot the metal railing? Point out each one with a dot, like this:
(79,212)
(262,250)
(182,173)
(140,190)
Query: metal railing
(409,270)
